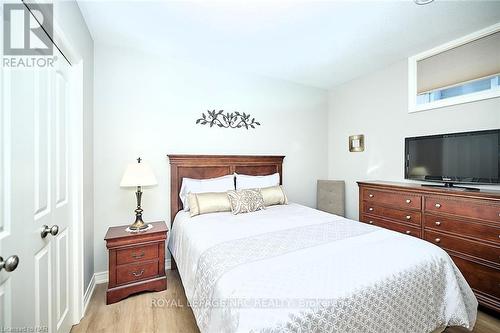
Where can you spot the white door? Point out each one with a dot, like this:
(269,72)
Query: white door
(35,187)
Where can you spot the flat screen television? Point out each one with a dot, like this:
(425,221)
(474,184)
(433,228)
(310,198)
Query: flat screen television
(468,158)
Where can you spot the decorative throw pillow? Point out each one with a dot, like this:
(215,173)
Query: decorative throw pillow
(245,201)
(211,202)
(274,195)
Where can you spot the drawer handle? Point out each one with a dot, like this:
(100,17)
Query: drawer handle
(438,205)
(138,273)
(408,232)
(408,217)
(408,201)
(438,240)
(138,255)
(437,223)
(371,196)
(370,209)
(371,222)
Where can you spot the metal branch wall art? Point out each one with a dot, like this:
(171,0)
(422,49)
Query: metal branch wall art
(227,120)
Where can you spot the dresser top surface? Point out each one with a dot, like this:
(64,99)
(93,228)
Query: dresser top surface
(457,191)
(120,233)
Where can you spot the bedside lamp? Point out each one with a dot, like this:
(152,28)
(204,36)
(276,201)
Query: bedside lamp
(138,175)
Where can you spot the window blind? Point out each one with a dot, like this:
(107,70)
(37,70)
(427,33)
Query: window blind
(477,59)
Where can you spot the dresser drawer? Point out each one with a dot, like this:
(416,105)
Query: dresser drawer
(404,216)
(463,207)
(405,229)
(136,253)
(481,278)
(136,272)
(476,249)
(393,199)
(463,227)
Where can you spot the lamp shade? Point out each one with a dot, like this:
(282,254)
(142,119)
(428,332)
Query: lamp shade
(138,174)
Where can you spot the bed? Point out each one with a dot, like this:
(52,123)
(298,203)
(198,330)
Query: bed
(291,268)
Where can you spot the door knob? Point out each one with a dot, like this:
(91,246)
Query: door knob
(49,230)
(9,264)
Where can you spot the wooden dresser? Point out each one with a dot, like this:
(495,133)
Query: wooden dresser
(464,223)
(136,261)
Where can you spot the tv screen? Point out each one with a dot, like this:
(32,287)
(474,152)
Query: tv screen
(472,157)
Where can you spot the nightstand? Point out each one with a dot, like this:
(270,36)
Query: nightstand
(136,261)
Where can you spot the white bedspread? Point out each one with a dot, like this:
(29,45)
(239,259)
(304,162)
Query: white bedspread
(296,269)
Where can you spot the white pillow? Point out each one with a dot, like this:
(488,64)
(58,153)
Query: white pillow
(247,182)
(190,185)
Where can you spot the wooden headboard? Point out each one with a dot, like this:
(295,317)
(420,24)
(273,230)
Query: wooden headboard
(210,166)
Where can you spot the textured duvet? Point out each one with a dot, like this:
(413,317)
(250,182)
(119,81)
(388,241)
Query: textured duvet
(295,269)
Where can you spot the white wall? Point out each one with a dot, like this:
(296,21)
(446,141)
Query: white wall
(376,105)
(147,105)
(68,16)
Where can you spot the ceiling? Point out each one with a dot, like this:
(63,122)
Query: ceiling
(320,44)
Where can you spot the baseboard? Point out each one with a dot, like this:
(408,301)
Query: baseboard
(168,263)
(88,294)
(102,277)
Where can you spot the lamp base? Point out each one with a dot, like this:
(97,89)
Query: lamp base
(145,228)
(138,224)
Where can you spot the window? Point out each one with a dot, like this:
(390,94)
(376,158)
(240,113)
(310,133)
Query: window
(479,85)
(464,70)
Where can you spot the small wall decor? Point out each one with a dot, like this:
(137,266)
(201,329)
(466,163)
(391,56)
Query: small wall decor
(227,120)
(356,143)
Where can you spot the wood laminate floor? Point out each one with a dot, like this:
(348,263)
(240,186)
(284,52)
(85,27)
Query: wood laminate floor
(167,312)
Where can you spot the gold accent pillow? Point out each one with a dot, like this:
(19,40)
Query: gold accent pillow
(274,195)
(210,202)
(245,201)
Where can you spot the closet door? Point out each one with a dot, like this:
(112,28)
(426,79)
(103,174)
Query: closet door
(36,196)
